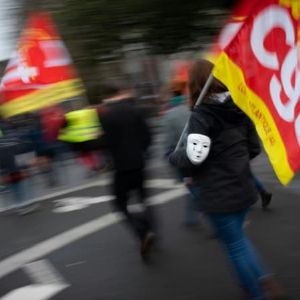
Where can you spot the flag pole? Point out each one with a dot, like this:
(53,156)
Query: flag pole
(199,100)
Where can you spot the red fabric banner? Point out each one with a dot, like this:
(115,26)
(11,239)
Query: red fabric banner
(40,72)
(261,69)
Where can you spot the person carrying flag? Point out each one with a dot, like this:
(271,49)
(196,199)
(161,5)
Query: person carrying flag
(221,141)
(173,123)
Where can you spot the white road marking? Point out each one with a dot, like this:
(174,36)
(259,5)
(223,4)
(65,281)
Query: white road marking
(163,183)
(77,203)
(47,283)
(34,292)
(167,196)
(43,272)
(70,204)
(61,240)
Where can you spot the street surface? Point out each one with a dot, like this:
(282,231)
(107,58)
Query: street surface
(75,247)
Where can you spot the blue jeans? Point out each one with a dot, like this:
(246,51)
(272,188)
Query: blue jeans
(242,255)
(258,184)
(22,192)
(17,189)
(191,207)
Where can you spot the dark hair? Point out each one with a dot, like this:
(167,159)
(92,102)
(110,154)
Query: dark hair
(114,86)
(177,87)
(198,76)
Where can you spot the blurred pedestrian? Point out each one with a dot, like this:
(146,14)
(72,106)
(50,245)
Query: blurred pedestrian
(51,120)
(221,140)
(174,121)
(81,130)
(127,138)
(16,156)
(43,156)
(175,117)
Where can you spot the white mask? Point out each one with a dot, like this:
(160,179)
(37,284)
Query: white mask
(197,148)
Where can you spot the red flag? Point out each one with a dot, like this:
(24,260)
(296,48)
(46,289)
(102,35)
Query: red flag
(261,69)
(232,26)
(181,70)
(40,72)
(181,73)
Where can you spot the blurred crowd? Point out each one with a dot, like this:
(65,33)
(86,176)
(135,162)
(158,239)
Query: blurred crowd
(213,162)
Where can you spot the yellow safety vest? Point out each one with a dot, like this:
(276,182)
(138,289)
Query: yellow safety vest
(82,125)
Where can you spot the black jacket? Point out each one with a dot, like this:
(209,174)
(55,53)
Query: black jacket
(126,135)
(224,179)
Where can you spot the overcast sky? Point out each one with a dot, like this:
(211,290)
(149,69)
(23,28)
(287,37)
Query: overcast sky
(7,28)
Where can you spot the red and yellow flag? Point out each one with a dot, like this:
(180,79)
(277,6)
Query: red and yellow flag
(261,69)
(40,72)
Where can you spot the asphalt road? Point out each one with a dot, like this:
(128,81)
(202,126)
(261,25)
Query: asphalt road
(75,247)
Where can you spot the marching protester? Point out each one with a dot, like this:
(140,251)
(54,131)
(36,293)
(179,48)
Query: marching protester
(127,137)
(16,157)
(221,141)
(174,121)
(175,117)
(51,120)
(81,130)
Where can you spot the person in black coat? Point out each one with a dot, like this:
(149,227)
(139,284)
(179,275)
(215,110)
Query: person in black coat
(221,141)
(127,137)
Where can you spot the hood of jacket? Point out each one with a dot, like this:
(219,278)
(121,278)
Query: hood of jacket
(222,106)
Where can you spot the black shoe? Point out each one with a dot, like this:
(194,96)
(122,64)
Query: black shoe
(265,199)
(147,244)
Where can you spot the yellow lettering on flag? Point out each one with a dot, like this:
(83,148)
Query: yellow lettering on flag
(232,76)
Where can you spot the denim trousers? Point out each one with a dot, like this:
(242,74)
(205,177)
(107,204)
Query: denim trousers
(244,260)
(22,192)
(18,189)
(191,206)
(258,184)
(192,199)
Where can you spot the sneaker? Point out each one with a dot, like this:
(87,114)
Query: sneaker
(146,244)
(265,199)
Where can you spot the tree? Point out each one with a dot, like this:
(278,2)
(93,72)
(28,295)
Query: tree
(171,25)
(96,30)
(98,26)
